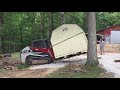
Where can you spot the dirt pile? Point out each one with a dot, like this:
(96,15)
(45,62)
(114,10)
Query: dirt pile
(8,63)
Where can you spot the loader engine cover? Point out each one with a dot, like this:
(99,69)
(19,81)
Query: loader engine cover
(38,50)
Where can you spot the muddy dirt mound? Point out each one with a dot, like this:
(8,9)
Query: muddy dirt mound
(8,63)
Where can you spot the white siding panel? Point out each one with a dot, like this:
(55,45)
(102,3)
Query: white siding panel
(115,37)
(71,46)
(61,33)
(69,42)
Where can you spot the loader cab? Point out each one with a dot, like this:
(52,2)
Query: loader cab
(39,50)
(37,45)
(42,46)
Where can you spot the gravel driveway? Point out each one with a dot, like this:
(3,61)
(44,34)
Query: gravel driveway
(37,71)
(108,63)
(61,63)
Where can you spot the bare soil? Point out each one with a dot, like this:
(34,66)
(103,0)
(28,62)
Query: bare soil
(9,65)
(41,73)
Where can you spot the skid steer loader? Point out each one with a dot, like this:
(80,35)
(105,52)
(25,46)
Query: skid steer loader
(39,50)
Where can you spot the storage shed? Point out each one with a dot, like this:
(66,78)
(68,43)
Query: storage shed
(68,39)
(111,34)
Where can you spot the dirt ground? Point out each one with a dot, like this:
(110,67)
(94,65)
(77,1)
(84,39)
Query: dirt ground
(40,71)
(7,64)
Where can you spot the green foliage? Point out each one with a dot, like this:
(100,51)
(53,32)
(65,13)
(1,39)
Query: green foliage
(16,55)
(20,28)
(3,71)
(84,72)
(107,19)
(22,66)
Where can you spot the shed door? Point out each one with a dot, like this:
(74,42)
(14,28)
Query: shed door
(107,38)
(115,37)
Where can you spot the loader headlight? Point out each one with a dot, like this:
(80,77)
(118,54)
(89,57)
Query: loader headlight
(36,49)
(25,51)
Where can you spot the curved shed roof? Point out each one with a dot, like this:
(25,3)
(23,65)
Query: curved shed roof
(65,31)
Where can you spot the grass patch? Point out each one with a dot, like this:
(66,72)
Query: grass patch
(79,72)
(22,66)
(3,71)
(16,55)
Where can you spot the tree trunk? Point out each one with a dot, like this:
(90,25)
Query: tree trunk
(51,26)
(3,46)
(62,18)
(42,26)
(9,44)
(34,26)
(14,46)
(21,36)
(9,48)
(86,21)
(1,20)
(92,46)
